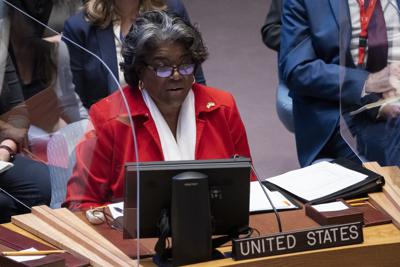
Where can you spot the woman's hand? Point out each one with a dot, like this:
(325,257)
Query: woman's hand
(17,134)
(4,155)
(7,148)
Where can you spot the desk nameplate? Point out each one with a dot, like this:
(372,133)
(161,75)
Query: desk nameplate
(288,242)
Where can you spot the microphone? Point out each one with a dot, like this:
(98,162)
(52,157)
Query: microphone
(15,199)
(278,218)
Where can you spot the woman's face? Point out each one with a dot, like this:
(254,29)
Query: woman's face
(171,91)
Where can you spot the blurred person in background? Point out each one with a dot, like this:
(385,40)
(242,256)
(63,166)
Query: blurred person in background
(271,37)
(27,182)
(271,30)
(101,28)
(43,69)
(334,64)
(61,11)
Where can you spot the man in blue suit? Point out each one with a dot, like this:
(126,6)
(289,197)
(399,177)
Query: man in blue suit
(317,61)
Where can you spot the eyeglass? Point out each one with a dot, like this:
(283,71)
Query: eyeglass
(168,71)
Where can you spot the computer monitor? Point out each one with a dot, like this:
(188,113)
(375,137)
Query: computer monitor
(229,190)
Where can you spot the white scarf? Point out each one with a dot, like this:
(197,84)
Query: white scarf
(183,148)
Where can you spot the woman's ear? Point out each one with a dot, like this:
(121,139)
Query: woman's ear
(139,70)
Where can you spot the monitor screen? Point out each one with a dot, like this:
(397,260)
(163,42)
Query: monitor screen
(229,190)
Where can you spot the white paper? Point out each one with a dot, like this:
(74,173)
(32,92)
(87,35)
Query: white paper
(26,258)
(116,209)
(259,202)
(333,206)
(317,180)
(5,165)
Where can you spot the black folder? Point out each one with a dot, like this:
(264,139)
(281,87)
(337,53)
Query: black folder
(373,183)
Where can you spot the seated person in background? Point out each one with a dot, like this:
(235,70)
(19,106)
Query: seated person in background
(174,117)
(101,28)
(271,36)
(271,30)
(321,63)
(28,180)
(43,69)
(62,10)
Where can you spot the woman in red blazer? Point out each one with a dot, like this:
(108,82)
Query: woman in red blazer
(174,118)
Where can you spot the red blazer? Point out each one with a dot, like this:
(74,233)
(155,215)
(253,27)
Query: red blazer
(98,176)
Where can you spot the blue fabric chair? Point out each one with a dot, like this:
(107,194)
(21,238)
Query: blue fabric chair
(284,106)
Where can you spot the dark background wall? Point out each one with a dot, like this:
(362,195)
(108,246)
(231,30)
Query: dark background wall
(240,63)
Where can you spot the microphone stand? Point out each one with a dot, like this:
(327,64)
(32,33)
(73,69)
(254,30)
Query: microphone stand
(278,219)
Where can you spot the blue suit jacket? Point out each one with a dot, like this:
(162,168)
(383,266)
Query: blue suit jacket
(316,63)
(91,78)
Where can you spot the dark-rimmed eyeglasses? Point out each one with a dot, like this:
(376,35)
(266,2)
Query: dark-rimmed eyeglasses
(168,71)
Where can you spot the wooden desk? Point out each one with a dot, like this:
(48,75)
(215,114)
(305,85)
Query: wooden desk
(381,246)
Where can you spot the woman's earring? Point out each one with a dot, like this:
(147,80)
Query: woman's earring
(194,80)
(141,85)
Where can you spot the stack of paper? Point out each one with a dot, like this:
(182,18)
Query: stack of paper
(259,201)
(4,165)
(318,180)
(116,209)
(26,258)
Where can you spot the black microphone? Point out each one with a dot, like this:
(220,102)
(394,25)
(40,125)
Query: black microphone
(278,218)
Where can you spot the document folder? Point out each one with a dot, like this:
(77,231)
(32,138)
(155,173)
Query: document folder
(372,183)
(347,215)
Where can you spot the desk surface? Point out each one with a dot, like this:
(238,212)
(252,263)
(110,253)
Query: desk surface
(381,246)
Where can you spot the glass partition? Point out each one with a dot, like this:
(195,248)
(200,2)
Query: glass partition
(49,81)
(369,74)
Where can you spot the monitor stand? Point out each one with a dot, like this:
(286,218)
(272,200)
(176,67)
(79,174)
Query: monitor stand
(190,221)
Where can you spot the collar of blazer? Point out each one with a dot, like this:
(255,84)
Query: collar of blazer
(204,103)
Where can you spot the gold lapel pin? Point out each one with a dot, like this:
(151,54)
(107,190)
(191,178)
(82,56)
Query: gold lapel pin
(210,104)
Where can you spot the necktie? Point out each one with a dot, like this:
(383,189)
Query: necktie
(377,40)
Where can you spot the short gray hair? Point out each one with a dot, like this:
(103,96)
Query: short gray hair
(152,29)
